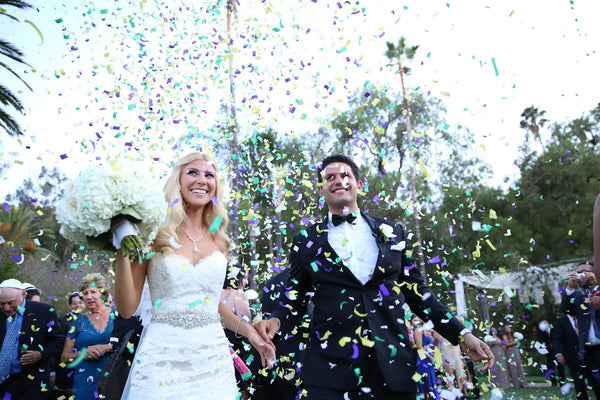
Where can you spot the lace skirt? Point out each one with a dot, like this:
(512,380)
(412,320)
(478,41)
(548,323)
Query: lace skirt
(177,360)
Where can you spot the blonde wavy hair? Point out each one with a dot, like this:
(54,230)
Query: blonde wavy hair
(98,281)
(176,215)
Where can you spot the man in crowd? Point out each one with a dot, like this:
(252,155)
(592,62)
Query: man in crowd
(566,347)
(31,342)
(557,370)
(363,276)
(580,295)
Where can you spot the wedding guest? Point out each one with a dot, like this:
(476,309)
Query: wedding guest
(63,385)
(362,274)
(184,353)
(31,340)
(282,383)
(235,298)
(513,357)
(452,364)
(566,347)
(555,370)
(499,372)
(578,298)
(32,292)
(424,344)
(87,347)
(596,235)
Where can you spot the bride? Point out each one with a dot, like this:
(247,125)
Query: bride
(184,353)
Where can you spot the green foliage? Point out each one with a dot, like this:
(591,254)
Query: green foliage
(556,194)
(7,97)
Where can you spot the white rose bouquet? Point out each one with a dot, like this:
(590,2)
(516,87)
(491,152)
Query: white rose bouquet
(99,194)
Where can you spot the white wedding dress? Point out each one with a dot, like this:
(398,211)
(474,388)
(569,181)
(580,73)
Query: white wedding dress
(184,353)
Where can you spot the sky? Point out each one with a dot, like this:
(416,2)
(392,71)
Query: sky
(146,78)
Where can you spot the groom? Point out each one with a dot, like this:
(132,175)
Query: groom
(364,279)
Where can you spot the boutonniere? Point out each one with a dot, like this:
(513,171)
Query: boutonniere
(387,232)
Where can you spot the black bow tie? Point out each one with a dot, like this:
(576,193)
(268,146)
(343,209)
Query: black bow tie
(338,219)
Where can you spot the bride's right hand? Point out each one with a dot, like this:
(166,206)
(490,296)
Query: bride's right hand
(265,349)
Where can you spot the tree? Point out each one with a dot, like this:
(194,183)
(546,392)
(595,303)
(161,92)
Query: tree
(45,191)
(557,190)
(533,120)
(7,97)
(20,229)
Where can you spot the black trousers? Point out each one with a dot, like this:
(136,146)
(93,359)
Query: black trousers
(18,388)
(591,365)
(373,387)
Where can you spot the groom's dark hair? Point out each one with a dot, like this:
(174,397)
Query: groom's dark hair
(338,158)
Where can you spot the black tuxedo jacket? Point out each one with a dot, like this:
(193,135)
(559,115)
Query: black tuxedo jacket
(565,341)
(40,331)
(579,301)
(353,322)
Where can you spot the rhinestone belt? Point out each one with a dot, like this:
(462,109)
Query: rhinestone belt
(190,319)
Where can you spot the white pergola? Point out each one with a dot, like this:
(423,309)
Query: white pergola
(527,283)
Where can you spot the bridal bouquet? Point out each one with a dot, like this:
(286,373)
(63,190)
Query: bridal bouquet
(100,194)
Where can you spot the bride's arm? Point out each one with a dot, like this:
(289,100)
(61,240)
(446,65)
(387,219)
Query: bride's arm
(129,283)
(244,328)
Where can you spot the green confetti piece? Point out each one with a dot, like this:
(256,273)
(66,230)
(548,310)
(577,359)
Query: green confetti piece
(314,266)
(195,303)
(79,359)
(495,67)
(215,225)
(157,303)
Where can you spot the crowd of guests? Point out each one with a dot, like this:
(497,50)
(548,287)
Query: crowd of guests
(77,347)
(65,354)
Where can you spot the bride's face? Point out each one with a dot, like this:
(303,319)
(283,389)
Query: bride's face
(198,183)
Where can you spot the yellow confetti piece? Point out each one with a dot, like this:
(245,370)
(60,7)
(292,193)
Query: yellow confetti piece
(490,244)
(423,168)
(416,377)
(36,29)
(357,313)
(343,341)
(366,342)
(493,214)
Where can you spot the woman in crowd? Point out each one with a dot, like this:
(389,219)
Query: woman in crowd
(513,357)
(87,345)
(499,372)
(63,385)
(452,364)
(424,344)
(184,353)
(234,297)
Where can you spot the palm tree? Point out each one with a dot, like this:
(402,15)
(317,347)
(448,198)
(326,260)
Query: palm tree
(533,120)
(7,98)
(397,53)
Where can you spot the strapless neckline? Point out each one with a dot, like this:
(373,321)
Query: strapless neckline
(200,261)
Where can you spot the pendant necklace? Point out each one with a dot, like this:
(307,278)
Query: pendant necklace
(194,240)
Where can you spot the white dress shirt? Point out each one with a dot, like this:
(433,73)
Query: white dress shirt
(356,246)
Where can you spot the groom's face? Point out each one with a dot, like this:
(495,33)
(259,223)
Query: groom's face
(339,187)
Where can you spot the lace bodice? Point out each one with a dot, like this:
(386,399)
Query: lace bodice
(178,286)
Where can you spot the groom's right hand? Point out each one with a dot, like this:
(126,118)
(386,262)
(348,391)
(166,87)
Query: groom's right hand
(268,328)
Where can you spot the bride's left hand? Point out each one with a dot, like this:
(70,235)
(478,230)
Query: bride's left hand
(266,350)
